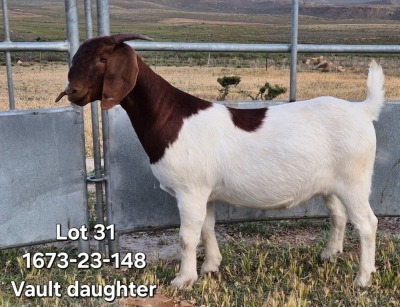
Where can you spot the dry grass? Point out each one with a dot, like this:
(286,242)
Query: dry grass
(36,86)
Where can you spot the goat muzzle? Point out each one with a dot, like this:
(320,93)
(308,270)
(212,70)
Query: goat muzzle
(75,95)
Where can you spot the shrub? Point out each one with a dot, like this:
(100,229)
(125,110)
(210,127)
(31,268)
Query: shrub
(267,92)
(226,82)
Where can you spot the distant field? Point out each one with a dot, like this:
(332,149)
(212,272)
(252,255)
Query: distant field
(164,21)
(169,21)
(191,21)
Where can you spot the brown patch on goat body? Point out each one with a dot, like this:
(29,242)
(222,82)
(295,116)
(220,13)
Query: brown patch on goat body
(248,119)
(157,111)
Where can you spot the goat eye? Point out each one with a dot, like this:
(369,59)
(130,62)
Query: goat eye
(103,60)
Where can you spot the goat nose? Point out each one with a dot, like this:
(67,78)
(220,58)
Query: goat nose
(71,90)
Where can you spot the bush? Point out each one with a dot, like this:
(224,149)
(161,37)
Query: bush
(268,93)
(226,82)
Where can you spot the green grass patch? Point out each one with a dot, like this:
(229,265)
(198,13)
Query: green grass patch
(266,229)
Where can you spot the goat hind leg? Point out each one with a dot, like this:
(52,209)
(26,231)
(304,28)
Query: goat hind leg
(338,217)
(212,254)
(367,232)
(362,217)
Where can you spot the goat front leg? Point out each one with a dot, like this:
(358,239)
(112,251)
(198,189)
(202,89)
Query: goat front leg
(212,254)
(192,211)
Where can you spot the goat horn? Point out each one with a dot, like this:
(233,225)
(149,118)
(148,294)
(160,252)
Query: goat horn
(119,38)
(62,94)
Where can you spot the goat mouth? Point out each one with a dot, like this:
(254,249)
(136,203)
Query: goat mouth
(82,101)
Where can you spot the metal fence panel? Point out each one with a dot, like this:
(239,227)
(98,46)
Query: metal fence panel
(42,175)
(385,198)
(137,202)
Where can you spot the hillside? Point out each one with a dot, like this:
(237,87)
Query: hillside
(337,9)
(384,9)
(381,12)
(250,21)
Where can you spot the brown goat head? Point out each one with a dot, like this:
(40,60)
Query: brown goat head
(104,68)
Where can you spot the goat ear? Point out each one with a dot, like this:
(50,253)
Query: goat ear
(120,76)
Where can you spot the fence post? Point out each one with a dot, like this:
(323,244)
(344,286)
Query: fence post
(10,82)
(71,13)
(103,21)
(293,50)
(88,19)
(94,107)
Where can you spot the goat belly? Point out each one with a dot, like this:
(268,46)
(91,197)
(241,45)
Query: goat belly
(264,196)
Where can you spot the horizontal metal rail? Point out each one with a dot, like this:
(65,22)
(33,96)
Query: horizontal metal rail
(270,48)
(34,46)
(311,48)
(209,47)
(62,46)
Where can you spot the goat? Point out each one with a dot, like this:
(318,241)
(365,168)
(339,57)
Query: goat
(268,158)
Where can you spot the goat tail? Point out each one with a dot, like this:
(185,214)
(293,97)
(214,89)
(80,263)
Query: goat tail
(376,94)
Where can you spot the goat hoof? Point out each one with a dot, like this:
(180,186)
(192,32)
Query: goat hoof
(329,256)
(209,268)
(182,281)
(363,282)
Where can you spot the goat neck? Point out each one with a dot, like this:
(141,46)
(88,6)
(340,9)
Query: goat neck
(157,111)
